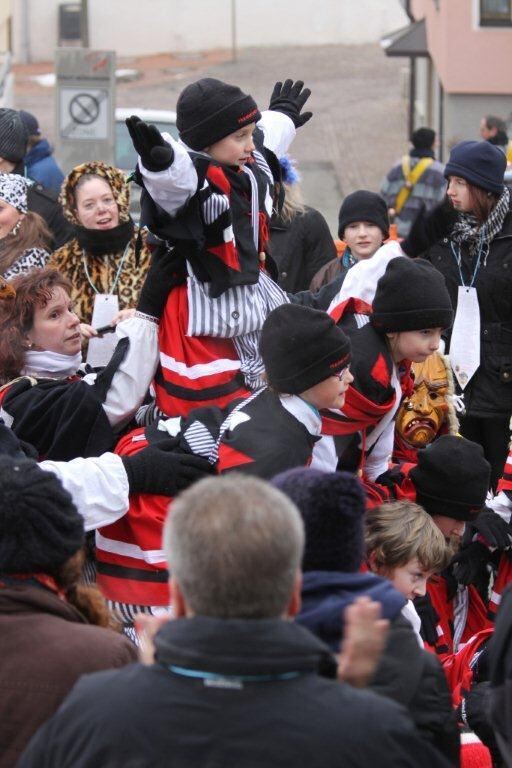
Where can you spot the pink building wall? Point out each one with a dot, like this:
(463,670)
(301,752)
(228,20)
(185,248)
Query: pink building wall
(468,58)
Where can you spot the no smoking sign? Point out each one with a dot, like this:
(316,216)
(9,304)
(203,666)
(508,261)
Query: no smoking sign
(83,113)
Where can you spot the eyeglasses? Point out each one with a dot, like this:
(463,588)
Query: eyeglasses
(341,374)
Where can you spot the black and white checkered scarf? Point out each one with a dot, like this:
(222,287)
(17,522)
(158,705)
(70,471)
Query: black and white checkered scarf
(467,229)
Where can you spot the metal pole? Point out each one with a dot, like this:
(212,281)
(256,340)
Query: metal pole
(233,31)
(412,96)
(441,122)
(84,23)
(25,33)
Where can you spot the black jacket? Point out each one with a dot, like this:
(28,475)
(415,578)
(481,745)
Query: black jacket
(196,708)
(501,678)
(44,201)
(406,673)
(300,248)
(489,392)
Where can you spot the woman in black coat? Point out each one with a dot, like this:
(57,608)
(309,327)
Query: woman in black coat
(469,240)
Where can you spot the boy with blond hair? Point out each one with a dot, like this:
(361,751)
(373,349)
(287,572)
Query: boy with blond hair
(404,545)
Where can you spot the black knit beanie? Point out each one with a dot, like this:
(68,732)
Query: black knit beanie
(301,347)
(451,478)
(332,506)
(423,138)
(411,295)
(40,527)
(478,162)
(208,110)
(364,206)
(13,136)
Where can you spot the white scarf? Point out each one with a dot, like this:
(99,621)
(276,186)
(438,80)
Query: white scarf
(51,365)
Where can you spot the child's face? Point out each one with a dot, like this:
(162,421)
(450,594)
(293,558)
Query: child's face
(410,579)
(329,393)
(415,346)
(234,149)
(449,527)
(363,238)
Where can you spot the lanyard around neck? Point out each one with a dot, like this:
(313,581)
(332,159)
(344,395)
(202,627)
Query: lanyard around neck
(458,260)
(118,273)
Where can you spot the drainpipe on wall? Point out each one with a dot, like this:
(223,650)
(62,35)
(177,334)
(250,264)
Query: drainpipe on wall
(440,131)
(407,8)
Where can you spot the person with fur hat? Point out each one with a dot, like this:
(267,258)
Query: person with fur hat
(332,506)
(53,629)
(469,240)
(210,195)
(24,237)
(306,358)
(415,182)
(40,199)
(389,329)
(108,258)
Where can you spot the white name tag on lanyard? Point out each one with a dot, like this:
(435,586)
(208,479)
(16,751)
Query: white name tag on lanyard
(465,341)
(99,351)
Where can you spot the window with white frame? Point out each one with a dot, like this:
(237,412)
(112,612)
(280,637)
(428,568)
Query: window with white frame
(495,13)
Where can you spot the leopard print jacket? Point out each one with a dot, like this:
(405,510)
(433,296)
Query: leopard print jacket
(69,260)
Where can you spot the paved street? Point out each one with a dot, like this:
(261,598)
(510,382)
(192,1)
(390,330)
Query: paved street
(359,123)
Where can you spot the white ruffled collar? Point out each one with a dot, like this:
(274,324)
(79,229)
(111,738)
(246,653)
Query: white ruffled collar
(53,365)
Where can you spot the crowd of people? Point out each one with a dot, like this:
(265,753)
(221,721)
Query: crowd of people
(341,597)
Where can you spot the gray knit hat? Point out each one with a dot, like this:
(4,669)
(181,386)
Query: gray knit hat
(13,136)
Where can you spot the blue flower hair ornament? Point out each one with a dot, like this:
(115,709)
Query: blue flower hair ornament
(289,170)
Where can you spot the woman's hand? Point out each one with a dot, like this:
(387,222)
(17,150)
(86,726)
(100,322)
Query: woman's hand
(87,331)
(123,314)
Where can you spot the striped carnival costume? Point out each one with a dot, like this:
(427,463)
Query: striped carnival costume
(213,209)
(270,431)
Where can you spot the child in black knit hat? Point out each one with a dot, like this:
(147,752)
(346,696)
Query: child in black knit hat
(210,197)
(307,368)
(394,310)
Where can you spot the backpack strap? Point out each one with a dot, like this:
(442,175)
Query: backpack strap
(411,178)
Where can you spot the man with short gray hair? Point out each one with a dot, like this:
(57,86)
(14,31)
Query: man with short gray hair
(234,682)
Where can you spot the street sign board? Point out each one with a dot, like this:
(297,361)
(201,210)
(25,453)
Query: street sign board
(85,106)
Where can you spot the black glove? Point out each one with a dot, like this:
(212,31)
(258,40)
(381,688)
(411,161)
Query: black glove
(167,269)
(428,229)
(289,98)
(391,478)
(474,712)
(156,154)
(11,445)
(429,618)
(470,566)
(158,469)
(493,528)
